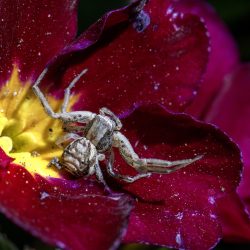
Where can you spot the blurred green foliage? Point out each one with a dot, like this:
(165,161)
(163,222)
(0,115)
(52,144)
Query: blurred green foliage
(5,244)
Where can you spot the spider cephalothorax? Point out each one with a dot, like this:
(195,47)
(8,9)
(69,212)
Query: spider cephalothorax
(89,143)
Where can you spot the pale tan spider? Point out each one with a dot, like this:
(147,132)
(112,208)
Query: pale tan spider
(99,134)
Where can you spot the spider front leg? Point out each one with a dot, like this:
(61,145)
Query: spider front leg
(147,165)
(41,96)
(68,89)
(105,111)
(126,178)
(77,116)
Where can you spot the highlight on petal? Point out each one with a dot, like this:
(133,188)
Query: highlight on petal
(67,214)
(178,209)
(27,133)
(230,112)
(32,33)
(165,60)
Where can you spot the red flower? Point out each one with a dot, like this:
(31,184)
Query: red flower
(223,100)
(143,70)
(230,111)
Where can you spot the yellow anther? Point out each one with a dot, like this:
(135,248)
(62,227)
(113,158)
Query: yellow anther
(13,127)
(27,133)
(27,142)
(6,143)
(3,122)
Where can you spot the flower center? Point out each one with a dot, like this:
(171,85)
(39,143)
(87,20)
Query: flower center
(27,133)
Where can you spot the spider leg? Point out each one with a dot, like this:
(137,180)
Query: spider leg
(67,127)
(126,178)
(76,116)
(68,89)
(105,111)
(41,96)
(99,174)
(55,162)
(100,178)
(66,138)
(147,165)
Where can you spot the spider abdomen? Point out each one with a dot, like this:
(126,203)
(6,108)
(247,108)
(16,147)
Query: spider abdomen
(79,156)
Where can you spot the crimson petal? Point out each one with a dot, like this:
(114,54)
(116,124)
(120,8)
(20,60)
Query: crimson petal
(128,67)
(231,112)
(179,209)
(235,220)
(32,32)
(68,214)
(4,161)
(223,58)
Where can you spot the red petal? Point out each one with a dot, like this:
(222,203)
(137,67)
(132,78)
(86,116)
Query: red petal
(235,220)
(33,31)
(68,214)
(178,210)
(5,160)
(223,58)
(164,63)
(231,112)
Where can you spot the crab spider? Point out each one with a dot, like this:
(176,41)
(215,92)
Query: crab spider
(100,133)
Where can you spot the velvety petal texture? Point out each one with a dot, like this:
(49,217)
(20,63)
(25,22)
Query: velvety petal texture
(178,209)
(31,33)
(158,56)
(235,220)
(231,111)
(223,56)
(68,214)
(134,57)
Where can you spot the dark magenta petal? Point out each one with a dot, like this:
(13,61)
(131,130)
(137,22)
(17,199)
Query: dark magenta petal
(179,209)
(235,220)
(4,160)
(231,112)
(128,67)
(68,214)
(192,228)
(31,32)
(223,57)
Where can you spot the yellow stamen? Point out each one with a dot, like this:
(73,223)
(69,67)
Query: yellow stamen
(6,143)
(27,133)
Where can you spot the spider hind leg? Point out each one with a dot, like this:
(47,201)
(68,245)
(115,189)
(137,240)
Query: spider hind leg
(144,165)
(125,178)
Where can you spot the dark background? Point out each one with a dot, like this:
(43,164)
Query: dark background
(235,13)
